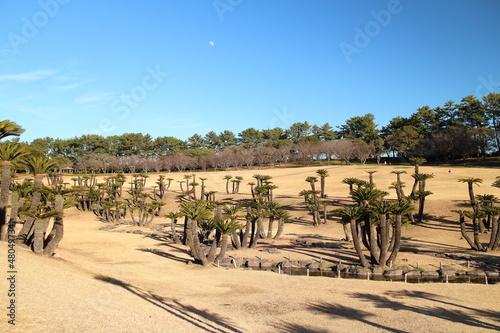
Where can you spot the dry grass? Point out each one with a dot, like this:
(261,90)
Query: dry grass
(101,281)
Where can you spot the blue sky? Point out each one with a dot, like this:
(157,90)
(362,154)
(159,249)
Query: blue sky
(180,67)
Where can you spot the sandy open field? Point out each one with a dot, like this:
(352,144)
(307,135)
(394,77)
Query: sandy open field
(105,281)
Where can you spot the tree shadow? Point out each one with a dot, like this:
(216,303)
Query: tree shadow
(333,256)
(440,223)
(295,328)
(453,312)
(166,255)
(421,246)
(202,319)
(344,312)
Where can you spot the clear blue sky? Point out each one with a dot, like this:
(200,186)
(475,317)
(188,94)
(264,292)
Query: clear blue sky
(179,67)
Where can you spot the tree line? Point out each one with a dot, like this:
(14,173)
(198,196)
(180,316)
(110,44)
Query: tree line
(469,128)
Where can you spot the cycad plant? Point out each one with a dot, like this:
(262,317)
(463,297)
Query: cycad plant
(226,228)
(471,181)
(322,173)
(40,217)
(355,217)
(9,153)
(376,224)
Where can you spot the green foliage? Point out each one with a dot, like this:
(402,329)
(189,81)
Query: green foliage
(9,128)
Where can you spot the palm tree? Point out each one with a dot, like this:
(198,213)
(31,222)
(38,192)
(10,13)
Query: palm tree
(471,181)
(416,161)
(232,213)
(193,189)
(354,215)
(227,178)
(323,173)
(187,178)
(271,207)
(421,194)
(486,201)
(371,172)
(9,152)
(398,184)
(379,239)
(174,217)
(351,182)
(474,216)
(496,183)
(168,184)
(39,164)
(57,232)
(226,228)
(463,228)
(312,180)
(492,213)
(195,211)
(400,208)
(202,186)
(252,184)
(398,174)
(365,195)
(282,216)
(9,128)
(40,217)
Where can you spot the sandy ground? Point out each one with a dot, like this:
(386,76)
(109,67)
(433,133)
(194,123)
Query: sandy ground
(103,281)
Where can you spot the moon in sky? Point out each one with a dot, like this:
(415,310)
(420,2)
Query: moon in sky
(211,43)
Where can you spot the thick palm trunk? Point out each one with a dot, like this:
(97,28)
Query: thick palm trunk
(270,227)
(14,208)
(322,187)
(223,248)
(38,236)
(27,230)
(212,252)
(384,240)
(185,236)
(463,231)
(57,232)
(414,188)
(472,198)
(365,234)
(346,232)
(476,235)
(281,227)
(246,234)
(374,247)
(4,199)
(495,234)
(236,239)
(357,244)
(175,236)
(254,233)
(421,202)
(396,239)
(195,244)
(497,237)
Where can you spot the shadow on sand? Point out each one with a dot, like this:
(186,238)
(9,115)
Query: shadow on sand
(202,319)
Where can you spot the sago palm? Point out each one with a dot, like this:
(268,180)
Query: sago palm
(354,215)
